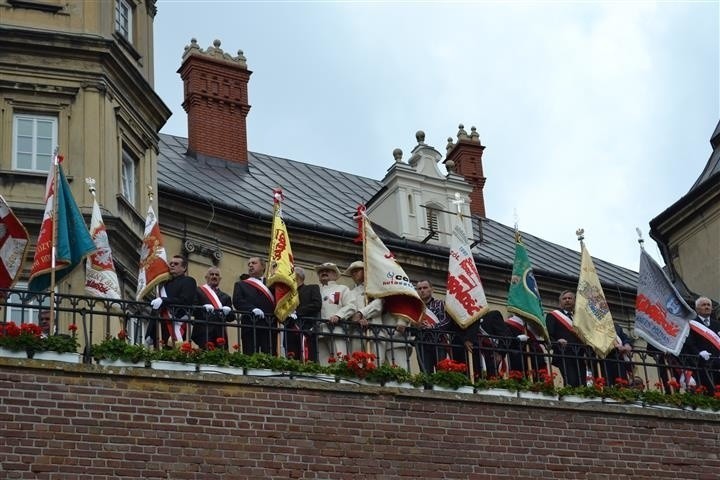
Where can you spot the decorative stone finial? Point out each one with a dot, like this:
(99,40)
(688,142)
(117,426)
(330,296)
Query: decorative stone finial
(461,132)
(397,155)
(474,135)
(450,144)
(420,137)
(214,51)
(450,165)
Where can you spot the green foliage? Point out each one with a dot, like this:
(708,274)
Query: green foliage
(388,373)
(185,353)
(25,337)
(60,344)
(113,348)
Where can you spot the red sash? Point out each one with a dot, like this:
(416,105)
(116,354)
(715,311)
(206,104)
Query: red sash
(212,296)
(564,319)
(260,287)
(706,333)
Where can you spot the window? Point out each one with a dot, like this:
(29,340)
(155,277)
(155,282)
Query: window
(34,140)
(25,309)
(128,176)
(123,19)
(432,222)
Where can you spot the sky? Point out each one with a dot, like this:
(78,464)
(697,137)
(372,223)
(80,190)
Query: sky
(594,114)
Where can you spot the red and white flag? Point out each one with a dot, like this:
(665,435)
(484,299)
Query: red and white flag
(13,245)
(100,277)
(154,268)
(465,300)
(385,278)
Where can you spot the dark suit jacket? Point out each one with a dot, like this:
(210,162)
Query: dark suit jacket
(180,291)
(210,328)
(310,301)
(696,343)
(246,297)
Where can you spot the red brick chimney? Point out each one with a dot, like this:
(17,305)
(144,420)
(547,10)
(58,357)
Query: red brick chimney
(216,102)
(465,158)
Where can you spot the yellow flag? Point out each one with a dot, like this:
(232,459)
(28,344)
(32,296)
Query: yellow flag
(592,320)
(281,267)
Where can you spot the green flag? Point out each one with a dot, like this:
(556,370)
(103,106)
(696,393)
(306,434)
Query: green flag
(523,296)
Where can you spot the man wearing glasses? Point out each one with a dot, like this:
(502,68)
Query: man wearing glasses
(176,296)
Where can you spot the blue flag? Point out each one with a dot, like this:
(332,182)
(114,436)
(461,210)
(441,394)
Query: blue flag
(72,239)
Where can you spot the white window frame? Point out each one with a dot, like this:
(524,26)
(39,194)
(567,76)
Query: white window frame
(15,314)
(124,19)
(128,175)
(17,118)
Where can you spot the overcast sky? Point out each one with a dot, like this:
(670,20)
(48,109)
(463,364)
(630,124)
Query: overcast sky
(594,115)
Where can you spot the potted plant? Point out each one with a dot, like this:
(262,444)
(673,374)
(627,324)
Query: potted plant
(116,351)
(356,365)
(214,358)
(183,357)
(60,348)
(450,375)
(390,375)
(20,341)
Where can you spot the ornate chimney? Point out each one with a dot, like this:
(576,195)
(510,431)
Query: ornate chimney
(465,158)
(216,102)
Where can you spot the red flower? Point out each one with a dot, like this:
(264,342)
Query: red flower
(236,346)
(291,355)
(186,347)
(219,341)
(450,365)
(122,335)
(209,346)
(672,383)
(72,327)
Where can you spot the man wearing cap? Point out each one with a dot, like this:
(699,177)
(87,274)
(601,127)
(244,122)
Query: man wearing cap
(358,301)
(335,298)
(393,353)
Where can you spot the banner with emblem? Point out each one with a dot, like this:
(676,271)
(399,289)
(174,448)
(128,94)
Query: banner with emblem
(662,317)
(62,224)
(465,299)
(592,320)
(281,265)
(154,268)
(13,245)
(523,296)
(385,278)
(100,277)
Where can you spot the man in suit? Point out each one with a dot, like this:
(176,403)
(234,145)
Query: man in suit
(216,310)
(299,338)
(256,304)
(702,346)
(568,349)
(177,295)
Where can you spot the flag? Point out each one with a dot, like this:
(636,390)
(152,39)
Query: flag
(281,267)
(13,245)
(523,296)
(385,278)
(154,268)
(465,299)
(72,240)
(662,317)
(100,277)
(592,320)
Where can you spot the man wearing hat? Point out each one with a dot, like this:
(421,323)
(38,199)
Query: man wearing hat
(373,313)
(356,271)
(335,299)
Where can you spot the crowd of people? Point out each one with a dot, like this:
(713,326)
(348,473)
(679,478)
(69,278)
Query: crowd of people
(333,320)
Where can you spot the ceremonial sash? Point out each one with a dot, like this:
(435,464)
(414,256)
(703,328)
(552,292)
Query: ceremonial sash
(519,324)
(176,330)
(212,296)
(706,333)
(564,319)
(260,287)
(429,319)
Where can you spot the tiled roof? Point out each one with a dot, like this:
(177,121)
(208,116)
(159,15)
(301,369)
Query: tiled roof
(324,198)
(712,167)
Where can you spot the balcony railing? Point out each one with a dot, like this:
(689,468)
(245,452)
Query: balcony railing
(413,349)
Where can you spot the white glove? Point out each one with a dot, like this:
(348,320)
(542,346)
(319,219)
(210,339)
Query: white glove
(226,310)
(208,307)
(705,355)
(156,303)
(293,316)
(523,337)
(258,313)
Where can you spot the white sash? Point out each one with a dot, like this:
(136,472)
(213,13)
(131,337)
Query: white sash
(706,333)
(212,296)
(258,284)
(564,319)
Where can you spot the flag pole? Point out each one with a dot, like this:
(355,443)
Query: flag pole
(53,264)
(158,321)
(361,219)
(277,197)
(580,232)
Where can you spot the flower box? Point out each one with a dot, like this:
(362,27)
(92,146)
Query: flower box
(535,395)
(218,369)
(68,357)
(9,353)
(497,392)
(260,372)
(393,384)
(460,389)
(174,366)
(106,362)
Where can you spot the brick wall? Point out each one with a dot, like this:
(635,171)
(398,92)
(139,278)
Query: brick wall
(86,422)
